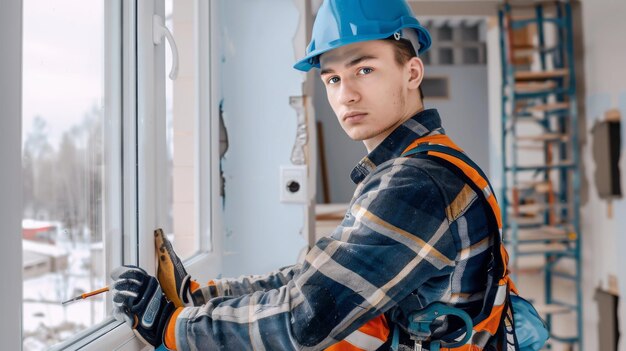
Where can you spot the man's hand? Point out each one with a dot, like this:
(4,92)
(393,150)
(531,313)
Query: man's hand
(174,279)
(139,301)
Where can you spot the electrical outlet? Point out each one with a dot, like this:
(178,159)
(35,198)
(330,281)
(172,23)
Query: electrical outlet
(293,184)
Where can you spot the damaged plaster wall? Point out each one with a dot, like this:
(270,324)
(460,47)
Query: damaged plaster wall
(257,79)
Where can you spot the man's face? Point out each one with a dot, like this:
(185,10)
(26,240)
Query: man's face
(370,93)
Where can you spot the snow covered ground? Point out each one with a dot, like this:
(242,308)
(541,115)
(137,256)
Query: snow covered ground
(45,320)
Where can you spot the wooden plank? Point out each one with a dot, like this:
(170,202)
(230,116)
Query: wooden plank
(521,220)
(537,209)
(543,233)
(534,87)
(544,137)
(540,186)
(541,167)
(552,309)
(537,148)
(533,209)
(327,212)
(539,248)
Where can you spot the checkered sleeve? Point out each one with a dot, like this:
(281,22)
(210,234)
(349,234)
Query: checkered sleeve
(249,284)
(395,238)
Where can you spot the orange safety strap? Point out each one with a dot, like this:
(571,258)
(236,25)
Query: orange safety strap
(368,337)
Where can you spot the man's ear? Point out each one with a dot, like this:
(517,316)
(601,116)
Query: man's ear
(416,72)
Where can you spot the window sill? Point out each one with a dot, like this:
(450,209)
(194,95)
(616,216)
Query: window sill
(113,335)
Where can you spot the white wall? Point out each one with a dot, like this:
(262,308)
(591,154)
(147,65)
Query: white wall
(10,180)
(257,79)
(604,238)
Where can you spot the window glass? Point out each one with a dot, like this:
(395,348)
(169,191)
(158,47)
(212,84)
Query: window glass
(63,168)
(181,132)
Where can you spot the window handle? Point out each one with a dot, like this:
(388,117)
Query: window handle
(159,30)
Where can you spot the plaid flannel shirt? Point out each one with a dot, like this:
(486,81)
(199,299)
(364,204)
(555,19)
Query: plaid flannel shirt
(414,230)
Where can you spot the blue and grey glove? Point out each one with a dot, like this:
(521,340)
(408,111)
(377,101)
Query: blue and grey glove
(139,301)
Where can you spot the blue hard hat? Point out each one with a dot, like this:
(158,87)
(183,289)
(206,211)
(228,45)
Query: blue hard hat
(343,22)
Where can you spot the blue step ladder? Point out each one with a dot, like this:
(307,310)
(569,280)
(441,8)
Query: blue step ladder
(541,156)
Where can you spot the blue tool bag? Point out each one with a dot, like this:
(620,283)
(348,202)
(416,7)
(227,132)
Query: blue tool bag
(530,329)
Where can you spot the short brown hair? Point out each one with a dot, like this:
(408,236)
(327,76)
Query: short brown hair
(404,51)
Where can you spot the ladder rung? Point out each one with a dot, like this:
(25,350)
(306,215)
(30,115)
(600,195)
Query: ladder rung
(548,107)
(567,340)
(531,209)
(526,76)
(552,309)
(538,235)
(564,275)
(518,24)
(526,221)
(530,147)
(536,94)
(522,51)
(532,4)
(543,233)
(522,168)
(540,248)
(539,209)
(538,186)
(522,116)
(534,87)
(519,47)
(544,137)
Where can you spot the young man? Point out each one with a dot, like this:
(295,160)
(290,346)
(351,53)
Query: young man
(417,230)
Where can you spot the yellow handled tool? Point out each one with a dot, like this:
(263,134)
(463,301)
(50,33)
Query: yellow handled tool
(86,295)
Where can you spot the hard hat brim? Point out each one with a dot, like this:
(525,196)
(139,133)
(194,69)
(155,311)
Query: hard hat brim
(312,59)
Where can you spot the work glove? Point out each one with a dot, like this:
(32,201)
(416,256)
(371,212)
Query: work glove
(173,278)
(139,301)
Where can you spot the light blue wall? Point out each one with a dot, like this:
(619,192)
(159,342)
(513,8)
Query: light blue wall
(261,234)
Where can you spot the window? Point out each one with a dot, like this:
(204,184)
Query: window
(65,165)
(106,139)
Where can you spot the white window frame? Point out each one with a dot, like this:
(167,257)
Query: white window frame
(151,75)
